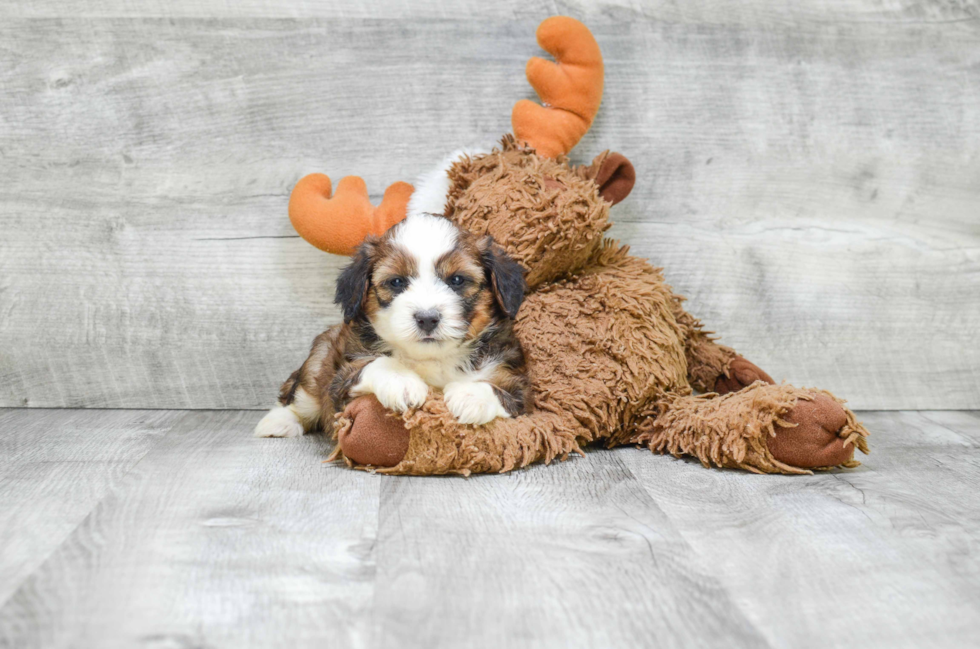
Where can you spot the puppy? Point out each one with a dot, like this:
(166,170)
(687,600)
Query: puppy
(425,305)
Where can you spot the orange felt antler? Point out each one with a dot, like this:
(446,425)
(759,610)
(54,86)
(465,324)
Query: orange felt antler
(340,223)
(570,88)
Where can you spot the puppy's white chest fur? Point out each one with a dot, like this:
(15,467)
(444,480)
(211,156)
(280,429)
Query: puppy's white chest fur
(438,371)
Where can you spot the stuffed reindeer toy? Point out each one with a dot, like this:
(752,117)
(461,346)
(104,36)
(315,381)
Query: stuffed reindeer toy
(609,353)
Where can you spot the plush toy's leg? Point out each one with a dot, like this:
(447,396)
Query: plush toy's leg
(429,441)
(379,439)
(712,367)
(762,428)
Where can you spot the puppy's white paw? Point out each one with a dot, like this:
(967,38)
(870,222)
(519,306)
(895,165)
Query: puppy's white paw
(279,422)
(396,387)
(473,402)
(400,392)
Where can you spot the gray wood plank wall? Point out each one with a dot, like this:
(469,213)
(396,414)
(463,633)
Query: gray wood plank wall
(809,175)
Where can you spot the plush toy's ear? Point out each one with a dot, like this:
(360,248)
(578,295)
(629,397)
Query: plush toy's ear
(353,282)
(613,173)
(505,275)
(339,223)
(570,88)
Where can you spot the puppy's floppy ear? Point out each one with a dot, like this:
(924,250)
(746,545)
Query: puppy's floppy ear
(506,277)
(352,285)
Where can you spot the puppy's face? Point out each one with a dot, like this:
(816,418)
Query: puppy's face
(427,287)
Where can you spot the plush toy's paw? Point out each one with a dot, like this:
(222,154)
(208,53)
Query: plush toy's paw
(279,422)
(473,402)
(741,373)
(820,437)
(396,387)
(374,437)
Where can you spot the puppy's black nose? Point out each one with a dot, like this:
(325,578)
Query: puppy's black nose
(427,320)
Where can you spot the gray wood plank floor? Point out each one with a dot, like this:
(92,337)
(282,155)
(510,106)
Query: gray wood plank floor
(808,174)
(176,528)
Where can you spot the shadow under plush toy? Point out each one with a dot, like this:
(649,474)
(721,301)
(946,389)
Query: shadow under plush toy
(611,353)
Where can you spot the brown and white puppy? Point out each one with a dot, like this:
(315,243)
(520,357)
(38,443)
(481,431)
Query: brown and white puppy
(427,304)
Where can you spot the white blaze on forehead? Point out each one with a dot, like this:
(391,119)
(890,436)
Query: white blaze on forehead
(427,238)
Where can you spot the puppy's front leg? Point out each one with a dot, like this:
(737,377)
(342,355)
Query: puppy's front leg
(396,387)
(473,402)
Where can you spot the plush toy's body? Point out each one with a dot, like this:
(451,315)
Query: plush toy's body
(611,352)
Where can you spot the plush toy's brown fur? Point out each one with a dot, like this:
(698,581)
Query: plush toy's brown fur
(612,355)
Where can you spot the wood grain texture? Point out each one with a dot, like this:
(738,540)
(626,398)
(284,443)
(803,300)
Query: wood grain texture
(825,560)
(217,539)
(808,174)
(574,554)
(699,11)
(56,466)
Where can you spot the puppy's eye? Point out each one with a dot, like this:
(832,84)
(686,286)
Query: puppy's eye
(457,280)
(396,283)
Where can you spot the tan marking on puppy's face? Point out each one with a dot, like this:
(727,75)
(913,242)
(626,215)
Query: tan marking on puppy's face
(370,306)
(463,271)
(463,261)
(482,314)
(392,274)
